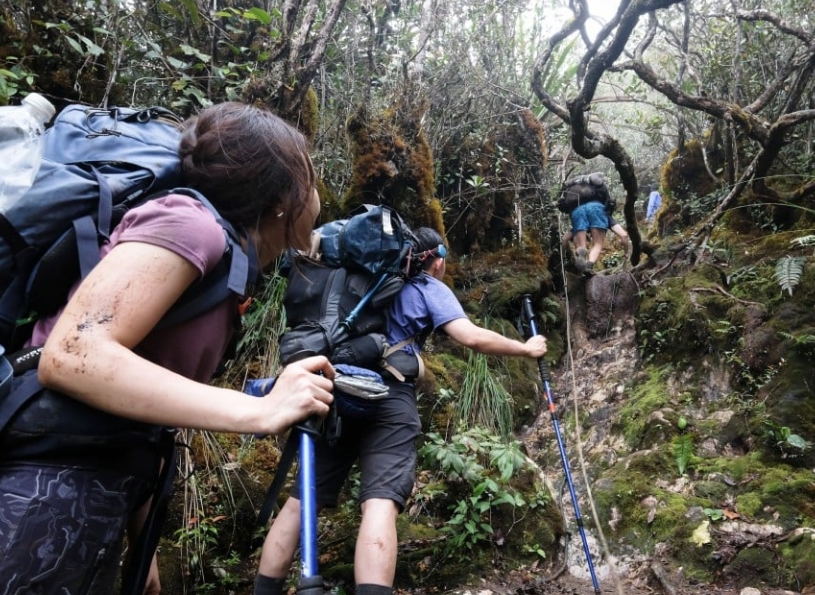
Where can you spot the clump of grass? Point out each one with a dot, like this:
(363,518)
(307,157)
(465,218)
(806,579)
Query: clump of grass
(484,401)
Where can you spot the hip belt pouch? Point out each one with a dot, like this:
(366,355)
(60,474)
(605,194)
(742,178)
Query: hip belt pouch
(407,364)
(51,426)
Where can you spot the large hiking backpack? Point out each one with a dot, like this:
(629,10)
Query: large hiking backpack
(583,189)
(97,164)
(336,297)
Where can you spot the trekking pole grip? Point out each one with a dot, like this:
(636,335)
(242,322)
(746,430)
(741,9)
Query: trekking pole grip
(312,426)
(528,317)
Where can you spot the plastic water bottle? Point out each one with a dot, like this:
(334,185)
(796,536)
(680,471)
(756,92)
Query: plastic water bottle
(21,145)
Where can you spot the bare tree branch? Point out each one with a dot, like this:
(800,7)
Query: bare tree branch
(764,15)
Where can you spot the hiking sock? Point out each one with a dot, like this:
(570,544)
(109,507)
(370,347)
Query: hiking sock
(369,589)
(266,585)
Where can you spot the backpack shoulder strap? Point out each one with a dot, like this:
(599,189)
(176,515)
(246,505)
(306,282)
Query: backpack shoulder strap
(235,274)
(12,401)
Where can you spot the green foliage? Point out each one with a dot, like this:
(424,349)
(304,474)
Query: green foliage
(788,271)
(478,465)
(535,548)
(263,323)
(804,343)
(75,40)
(14,77)
(559,72)
(700,207)
(782,438)
(654,342)
(477,182)
(197,539)
(683,451)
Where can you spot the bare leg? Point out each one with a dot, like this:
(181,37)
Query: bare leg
(598,236)
(624,239)
(580,239)
(281,541)
(375,555)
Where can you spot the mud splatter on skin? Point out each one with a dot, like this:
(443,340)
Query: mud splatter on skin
(101,321)
(71,345)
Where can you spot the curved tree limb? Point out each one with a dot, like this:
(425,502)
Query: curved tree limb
(782,25)
(755,127)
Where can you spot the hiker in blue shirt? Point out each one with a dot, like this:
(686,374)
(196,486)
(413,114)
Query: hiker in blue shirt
(385,444)
(654,202)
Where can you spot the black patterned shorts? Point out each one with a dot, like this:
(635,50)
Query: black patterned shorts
(61,529)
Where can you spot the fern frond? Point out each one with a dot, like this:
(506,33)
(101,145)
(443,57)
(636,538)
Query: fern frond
(804,241)
(788,271)
(683,451)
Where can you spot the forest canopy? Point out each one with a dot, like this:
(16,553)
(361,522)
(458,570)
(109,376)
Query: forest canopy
(508,97)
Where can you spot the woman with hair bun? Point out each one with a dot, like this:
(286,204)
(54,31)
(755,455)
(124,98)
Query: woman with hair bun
(64,511)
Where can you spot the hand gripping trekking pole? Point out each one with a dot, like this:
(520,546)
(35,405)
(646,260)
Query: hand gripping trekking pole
(528,319)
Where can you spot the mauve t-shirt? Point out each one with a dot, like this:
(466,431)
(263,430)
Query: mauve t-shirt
(183,225)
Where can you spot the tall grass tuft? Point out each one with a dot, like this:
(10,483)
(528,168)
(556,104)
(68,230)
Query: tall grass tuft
(264,322)
(484,401)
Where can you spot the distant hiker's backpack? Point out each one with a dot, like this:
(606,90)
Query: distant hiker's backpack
(97,164)
(336,297)
(583,189)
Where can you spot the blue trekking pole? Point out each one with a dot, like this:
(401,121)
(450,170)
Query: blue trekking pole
(528,318)
(311,583)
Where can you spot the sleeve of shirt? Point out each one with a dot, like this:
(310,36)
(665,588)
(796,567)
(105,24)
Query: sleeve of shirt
(178,223)
(442,305)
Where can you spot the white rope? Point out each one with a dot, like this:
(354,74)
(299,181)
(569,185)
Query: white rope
(578,439)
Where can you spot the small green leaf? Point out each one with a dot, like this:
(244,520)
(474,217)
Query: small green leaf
(176,63)
(796,441)
(93,49)
(191,51)
(258,14)
(192,8)
(75,45)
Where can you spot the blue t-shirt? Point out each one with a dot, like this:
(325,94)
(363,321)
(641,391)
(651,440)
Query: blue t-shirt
(654,202)
(423,304)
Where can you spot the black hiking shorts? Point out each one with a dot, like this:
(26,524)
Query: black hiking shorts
(384,446)
(70,476)
(61,529)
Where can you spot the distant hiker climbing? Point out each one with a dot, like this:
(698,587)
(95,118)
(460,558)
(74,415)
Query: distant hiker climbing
(654,203)
(589,204)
